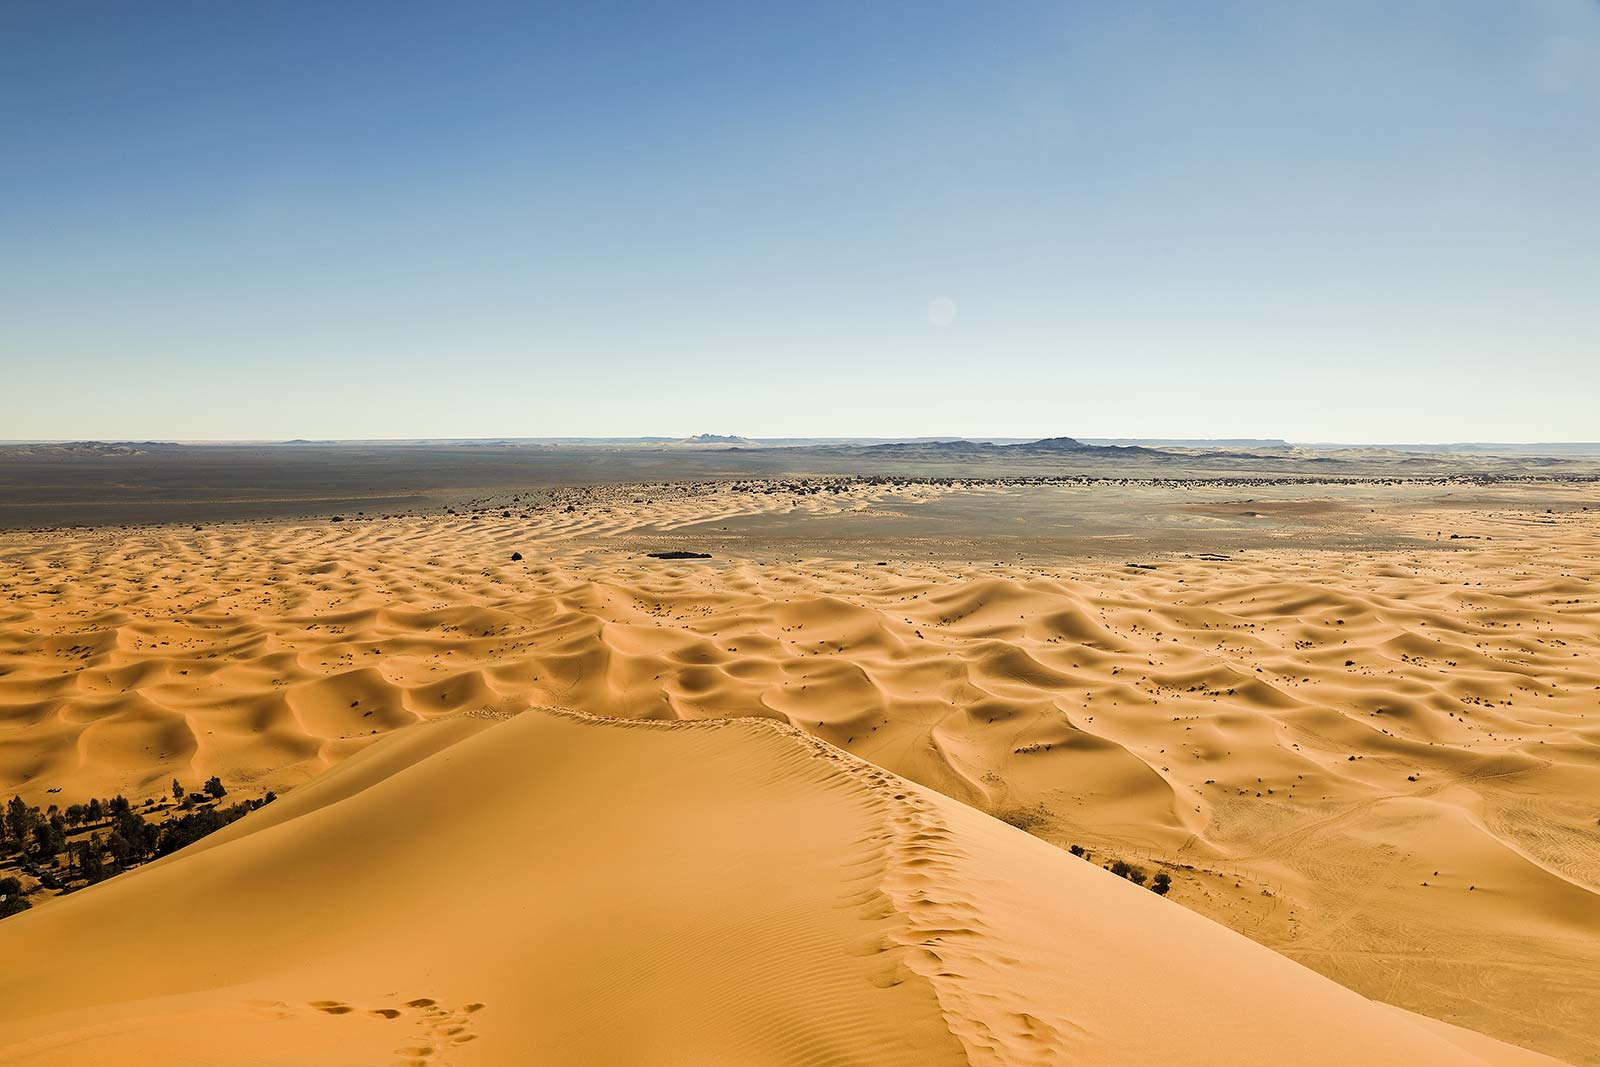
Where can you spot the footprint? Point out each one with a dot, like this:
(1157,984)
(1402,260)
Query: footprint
(434,1027)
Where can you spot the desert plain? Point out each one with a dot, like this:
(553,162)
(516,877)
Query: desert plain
(840,784)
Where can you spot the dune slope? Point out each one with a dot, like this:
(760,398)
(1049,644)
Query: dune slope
(552,889)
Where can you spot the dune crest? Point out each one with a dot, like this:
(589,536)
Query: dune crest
(559,889)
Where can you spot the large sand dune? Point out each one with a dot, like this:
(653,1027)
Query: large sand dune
(1381,763)
(552,890)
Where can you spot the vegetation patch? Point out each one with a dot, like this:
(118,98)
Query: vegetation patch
(63,850)
(1160,885)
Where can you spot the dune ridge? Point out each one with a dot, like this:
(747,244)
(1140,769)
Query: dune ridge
(817,910)
(1304,738)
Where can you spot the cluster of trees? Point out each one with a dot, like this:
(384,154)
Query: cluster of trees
(42,835)
(212,789)
(185,830)
(30,832)
(1159,885)
(119,837)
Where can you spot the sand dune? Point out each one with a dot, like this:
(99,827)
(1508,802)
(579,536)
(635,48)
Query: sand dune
(556,889)
(1382,764)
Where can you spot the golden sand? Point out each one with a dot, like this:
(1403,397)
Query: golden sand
(1383,764)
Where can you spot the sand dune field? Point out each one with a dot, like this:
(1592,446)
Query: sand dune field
(555,889)
(1368,739)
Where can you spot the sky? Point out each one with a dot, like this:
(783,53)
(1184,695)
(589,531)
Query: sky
(1353,221)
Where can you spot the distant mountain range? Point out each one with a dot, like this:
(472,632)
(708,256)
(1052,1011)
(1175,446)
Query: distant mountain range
(942,447)
(1192,442)
(1046,446)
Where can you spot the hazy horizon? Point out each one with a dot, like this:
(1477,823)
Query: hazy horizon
(1361,222)
(776,441)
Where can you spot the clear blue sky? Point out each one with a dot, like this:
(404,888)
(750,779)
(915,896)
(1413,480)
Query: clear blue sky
(1322,221)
